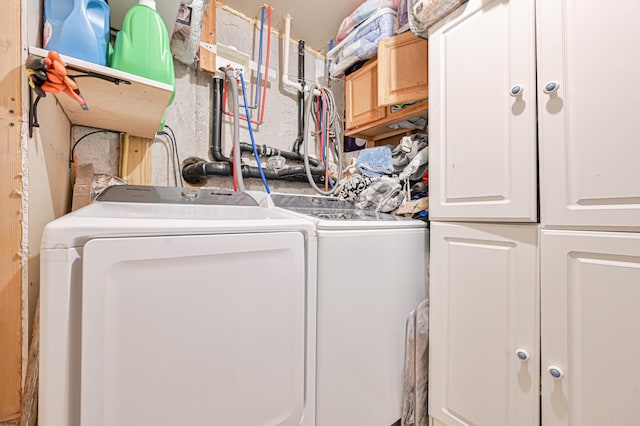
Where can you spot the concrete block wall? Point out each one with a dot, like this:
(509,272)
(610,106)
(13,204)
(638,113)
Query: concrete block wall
(190,114)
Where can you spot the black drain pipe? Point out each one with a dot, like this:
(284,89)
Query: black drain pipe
(269,151)
(300,139)
(215,141)
(196,171)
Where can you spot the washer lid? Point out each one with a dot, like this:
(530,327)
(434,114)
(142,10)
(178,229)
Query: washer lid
(335,213)
(291,202)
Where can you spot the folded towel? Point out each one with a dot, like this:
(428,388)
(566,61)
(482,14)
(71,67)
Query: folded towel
(375,162)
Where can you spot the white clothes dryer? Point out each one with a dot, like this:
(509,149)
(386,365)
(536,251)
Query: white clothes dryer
(372,272)
(164,307)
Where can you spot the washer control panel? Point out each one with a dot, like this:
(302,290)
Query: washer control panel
(171,195)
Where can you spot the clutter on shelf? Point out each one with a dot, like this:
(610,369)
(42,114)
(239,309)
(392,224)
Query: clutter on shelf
(362,42)
(390,180)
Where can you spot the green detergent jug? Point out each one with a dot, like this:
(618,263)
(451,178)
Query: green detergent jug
(142,46)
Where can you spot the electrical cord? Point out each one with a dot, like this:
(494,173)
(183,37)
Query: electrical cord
(73,148)
(171,170)
(175,161)
(175,152)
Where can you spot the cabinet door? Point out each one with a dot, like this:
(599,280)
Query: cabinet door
(484,316)
(361,96)
(589,321)
(589,150)
(483,158)
(402,69)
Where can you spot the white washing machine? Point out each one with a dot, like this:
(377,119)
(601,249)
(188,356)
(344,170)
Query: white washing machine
(164,307)
(372,272)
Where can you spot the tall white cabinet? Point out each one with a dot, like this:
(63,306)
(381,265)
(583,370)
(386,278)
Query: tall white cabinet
(533,105)
(482,114)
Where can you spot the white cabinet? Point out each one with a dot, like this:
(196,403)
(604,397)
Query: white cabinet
(589,143)
(483,141)
(484,317)
(482,113)
(583,108)
(590,316)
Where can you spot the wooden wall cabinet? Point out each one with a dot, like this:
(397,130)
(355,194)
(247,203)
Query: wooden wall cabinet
(398,75)
(361,91)
(402,70)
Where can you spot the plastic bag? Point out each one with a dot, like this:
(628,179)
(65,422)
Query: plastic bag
(416,367)
(384,195)
(424,13)
(361,13)
(185,38)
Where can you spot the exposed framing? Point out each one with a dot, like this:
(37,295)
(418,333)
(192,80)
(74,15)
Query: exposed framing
(10,212)
(207,61)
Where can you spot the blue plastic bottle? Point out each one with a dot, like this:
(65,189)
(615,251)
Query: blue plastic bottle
(77,28)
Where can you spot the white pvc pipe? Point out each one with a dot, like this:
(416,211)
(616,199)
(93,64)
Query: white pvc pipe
(286,82)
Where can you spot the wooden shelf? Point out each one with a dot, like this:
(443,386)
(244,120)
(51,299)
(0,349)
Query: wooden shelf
(117,100)
(380,129)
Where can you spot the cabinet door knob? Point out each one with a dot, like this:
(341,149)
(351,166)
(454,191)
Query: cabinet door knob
(522,354)
(555,371)
(551,87)
(516,90)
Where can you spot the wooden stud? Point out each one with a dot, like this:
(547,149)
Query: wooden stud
(10,212)
(207,61)
(136,160)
